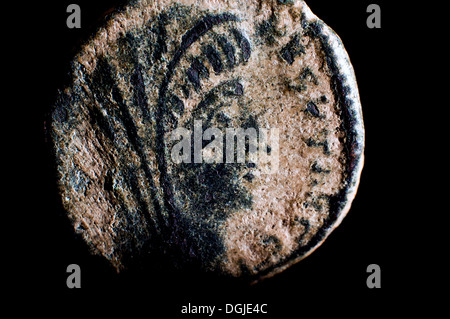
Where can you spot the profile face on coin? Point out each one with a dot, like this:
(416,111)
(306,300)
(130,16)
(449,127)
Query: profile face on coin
(227,135)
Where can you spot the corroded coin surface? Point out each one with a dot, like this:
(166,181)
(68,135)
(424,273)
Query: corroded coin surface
(224,135)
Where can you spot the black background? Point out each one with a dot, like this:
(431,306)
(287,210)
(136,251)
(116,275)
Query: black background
(331,280)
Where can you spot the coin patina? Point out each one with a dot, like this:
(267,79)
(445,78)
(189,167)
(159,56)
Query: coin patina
(156,66)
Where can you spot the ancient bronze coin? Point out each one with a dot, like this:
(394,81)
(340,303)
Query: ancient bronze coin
(225,135)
